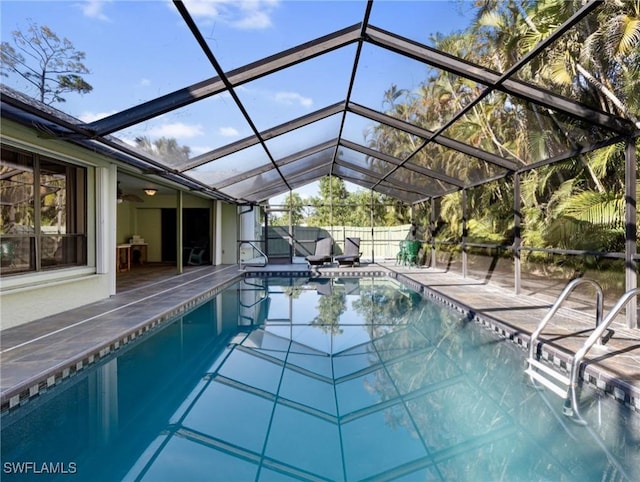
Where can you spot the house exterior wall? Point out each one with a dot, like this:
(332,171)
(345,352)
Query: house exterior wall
(29,296)
(33,295)
(29,303)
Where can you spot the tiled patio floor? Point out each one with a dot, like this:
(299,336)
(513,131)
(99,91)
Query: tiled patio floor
(38,355)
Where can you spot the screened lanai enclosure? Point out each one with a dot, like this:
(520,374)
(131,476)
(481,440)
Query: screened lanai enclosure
(506,132)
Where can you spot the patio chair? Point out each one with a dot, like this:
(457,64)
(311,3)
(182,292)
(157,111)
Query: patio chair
(322,254)
(413,249)
(198,252)
(401,257)
(351,254)
(196,256)
(323,286)
(408,254)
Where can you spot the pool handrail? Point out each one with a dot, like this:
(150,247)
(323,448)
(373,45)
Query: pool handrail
(571,405)
(572,285)
(533,363)
(593,338)
(262,253)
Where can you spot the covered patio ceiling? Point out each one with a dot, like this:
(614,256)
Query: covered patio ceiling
(285,151)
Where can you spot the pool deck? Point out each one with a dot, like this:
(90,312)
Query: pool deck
(36,356)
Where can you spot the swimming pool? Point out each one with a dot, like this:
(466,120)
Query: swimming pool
(316,379)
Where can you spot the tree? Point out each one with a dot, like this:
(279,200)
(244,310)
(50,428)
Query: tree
(50,64)
(360,207)
(294,203)
(166,149)
(578,203)
(329,207)
(330,308)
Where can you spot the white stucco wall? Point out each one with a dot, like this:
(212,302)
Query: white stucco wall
(22,305)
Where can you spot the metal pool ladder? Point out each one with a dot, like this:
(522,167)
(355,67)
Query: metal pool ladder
(259,262)
(554,380)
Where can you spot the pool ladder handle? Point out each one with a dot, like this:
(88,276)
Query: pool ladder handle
(536,369)
(243,265)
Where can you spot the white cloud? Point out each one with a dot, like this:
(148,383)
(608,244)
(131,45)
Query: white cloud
(291,98)
(228,132)
(203,8)
(94,116)
(145,82)
(176,130)
(241,14)
(94,9)
(197,150)
(253,21)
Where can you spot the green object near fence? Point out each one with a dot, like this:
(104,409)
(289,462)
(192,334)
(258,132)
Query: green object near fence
(408,254)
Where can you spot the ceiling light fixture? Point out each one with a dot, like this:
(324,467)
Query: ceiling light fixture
(150,192)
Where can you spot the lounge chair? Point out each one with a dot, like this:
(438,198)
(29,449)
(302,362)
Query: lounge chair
(351,254)
(322,254)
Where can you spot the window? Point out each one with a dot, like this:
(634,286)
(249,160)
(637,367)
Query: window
(43,213)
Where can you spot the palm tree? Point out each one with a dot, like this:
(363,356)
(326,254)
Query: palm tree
(596,62)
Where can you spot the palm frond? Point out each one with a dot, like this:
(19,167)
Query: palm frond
(625,36)
(491,19)
(565,191)
(598,209)
(601,160)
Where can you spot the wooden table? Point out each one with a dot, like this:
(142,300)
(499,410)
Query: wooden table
(123,257)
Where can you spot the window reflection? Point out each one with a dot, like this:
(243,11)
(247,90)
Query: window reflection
(45,227)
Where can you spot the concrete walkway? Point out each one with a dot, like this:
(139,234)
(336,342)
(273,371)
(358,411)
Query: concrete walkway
(38,355)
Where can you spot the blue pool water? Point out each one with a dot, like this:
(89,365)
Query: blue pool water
(280,379)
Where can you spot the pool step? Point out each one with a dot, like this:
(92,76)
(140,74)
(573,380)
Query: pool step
(538,370)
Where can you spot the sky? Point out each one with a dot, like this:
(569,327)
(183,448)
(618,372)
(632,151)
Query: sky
(139,50)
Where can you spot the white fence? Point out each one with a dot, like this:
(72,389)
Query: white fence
(380,243)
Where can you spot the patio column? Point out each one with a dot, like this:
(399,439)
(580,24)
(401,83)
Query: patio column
(373,244)
(218,233)
(179,266)
(464,233)
(331,212)
(292,248)
(517,218)
(106,221)
(432,230)
(630,245)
